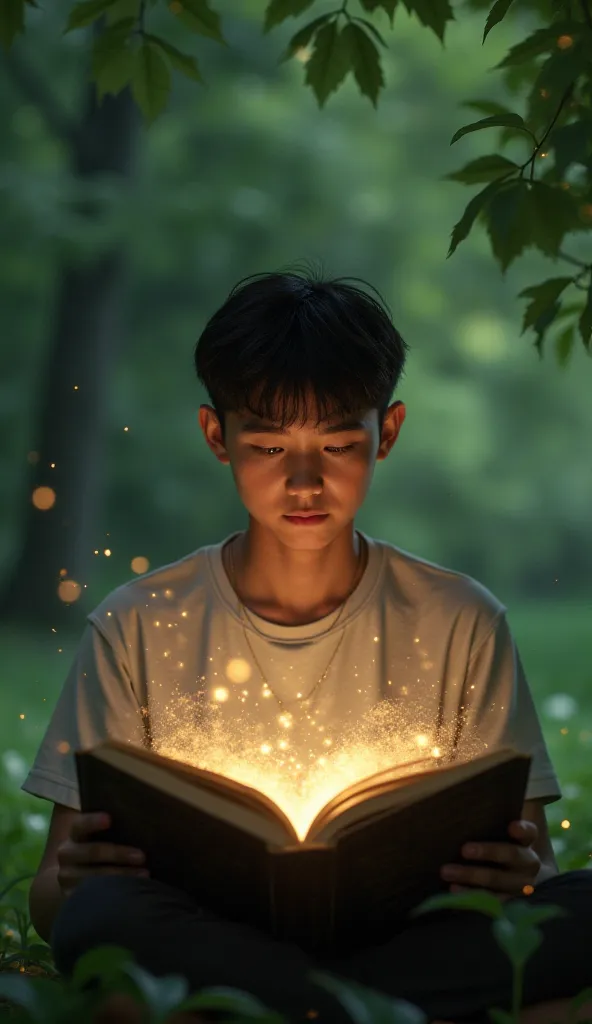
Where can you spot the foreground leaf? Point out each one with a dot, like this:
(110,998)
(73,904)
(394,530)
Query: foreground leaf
(12,21)
(41,998)
(564,343)
(365,1005)
(484,902)
(365,60)
(183,62)
(86,13)
(278,10)
(585,323)
(162,995)
(232,1000)
(518,943)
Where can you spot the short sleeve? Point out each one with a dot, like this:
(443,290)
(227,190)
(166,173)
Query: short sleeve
(499,710)
(97,702)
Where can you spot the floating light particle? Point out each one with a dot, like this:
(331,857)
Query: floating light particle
(238,670)
(109,614)
(69,591)
(285,721)
(327,742)
(53,630)
(76,387)
(21,716)
(265,748)
(564,731)
(140,564)
(107,552)
(43,498)
(126,428)
(528,890)
(565,823)
(157,623)
(63,747)
(436,751)
(375,639)
(169,594)
(283,744)
(221,694)
(96,552)
(422,741)
(52,465)
(183,615)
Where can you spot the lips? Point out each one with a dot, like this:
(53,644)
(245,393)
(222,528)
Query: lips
(304,515)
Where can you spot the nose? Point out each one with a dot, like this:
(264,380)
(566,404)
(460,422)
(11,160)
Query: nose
(304,479)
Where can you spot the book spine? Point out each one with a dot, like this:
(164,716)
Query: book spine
(302,896)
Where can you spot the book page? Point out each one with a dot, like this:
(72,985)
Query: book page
(388,789)
(234,794)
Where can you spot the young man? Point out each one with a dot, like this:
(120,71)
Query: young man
(293,639)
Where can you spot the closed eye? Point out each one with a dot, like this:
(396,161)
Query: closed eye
(334,451)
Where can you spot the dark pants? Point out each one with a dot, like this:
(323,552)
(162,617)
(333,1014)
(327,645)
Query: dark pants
(447,963)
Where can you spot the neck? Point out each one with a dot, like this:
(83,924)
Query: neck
(294,586)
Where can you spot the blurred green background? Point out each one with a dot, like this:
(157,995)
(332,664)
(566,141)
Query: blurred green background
(492,473)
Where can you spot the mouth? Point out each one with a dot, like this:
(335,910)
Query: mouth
(307,517)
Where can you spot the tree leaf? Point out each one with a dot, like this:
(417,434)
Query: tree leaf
(151,83)
(113,61)
(367,1006)
(580,1000)
(106,962)
(301,39)
(553,213)
(544,40)
(12,21)
(433,13)
(278,10)
(543,296)
(121,9)
(525,914)
(370,28)
(572,143)
(475,207)
(365,59)
(500,1017)
(198,16)
(183,62)
(329,63)
(387,5)
(564,344)
(484,168)
(508,223)
(39,997)
(495,121)
(85,13)
(585,322)
(479,900)
(496,14)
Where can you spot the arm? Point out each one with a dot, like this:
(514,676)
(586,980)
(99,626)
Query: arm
(45,895)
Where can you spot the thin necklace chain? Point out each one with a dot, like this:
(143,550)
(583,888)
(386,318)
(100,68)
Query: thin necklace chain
(243,613)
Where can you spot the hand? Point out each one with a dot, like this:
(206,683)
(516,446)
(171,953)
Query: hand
(78,859)
(518,867)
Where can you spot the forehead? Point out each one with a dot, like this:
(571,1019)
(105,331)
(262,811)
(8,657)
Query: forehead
(248,424)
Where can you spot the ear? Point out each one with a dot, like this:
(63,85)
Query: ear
(393,421)
(212,431)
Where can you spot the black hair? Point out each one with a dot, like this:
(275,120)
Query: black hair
(283,334)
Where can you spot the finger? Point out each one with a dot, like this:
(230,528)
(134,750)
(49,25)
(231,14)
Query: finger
(520,858)
(524,831)
(488,878)
(104,853)
(85,824)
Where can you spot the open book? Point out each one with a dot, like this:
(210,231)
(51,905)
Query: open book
(371,854)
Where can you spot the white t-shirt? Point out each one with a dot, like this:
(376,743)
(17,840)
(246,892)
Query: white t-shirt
(426,666)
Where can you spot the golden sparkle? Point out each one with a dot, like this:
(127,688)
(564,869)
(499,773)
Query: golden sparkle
(565,823)
(69,591)
(221,694)
(238,670)
(107,552)
(140,564)
(43,498)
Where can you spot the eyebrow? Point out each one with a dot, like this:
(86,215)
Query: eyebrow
(253,427)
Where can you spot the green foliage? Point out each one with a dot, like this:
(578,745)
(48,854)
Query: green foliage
(337,43)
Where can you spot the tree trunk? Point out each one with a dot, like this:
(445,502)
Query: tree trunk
(74,390)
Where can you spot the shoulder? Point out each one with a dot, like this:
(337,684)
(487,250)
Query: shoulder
(164,592)
(444,596)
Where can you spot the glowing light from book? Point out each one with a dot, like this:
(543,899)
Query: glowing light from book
(422,741)
(266,692)
(43,498)
(221,694)
(565,823)
(285,721)
(238,671)
(283,744)
(436,751)
(265,748)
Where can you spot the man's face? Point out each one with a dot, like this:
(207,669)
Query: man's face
(325,468)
